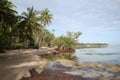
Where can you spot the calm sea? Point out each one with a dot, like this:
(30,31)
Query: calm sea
(109,54)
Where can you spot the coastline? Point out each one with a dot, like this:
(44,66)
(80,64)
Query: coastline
(19,62)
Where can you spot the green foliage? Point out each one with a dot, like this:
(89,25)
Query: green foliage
(74,36)
(23,30)
(67,41)
(47,38)
(8,19)
(28,29)
(28,26)
(4,42)
(63,41)
(45,17)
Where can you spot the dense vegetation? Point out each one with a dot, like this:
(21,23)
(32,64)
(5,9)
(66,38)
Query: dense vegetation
(29,29)
(69,40)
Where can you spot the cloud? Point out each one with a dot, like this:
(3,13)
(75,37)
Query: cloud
(98,20)
(78,15)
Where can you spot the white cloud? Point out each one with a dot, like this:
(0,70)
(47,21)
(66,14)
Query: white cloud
(78,15)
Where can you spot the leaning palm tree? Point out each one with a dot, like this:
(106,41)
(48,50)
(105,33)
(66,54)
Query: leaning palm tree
(29,25)
(45,19)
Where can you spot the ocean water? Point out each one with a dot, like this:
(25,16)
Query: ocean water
(109,54)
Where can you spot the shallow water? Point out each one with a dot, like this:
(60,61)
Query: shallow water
(109,54)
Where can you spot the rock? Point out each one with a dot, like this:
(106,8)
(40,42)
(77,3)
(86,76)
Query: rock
(50,75)
(106,74)
(57,66)
(91,75)
(74,72)
(67,63)
(113,69)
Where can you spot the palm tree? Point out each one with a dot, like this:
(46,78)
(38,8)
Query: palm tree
(45,19)
(8,21)
(29,25)
(7,14)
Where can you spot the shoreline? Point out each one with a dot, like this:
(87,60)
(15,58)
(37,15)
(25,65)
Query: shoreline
(18,62)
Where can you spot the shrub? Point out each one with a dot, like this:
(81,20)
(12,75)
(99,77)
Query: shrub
(69,40)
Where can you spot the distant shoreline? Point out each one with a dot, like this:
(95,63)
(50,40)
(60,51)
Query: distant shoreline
(92,45)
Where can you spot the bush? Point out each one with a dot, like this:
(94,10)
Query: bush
(63,41)
(69,40)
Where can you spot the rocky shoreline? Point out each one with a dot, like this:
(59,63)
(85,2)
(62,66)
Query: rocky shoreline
(57,70)
(50,75)
(15,65)
(90,71)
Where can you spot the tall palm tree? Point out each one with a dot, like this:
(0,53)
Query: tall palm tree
(29,25)
(45,19)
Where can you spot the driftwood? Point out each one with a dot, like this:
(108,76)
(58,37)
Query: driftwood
(50,75)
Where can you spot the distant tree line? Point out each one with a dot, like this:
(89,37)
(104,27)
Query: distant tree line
(91,45)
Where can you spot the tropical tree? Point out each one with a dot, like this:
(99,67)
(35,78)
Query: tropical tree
(45,19)
(63,41)
(8,21)
(74,36)
(25,28)
(48,37)
(29,26)
(69,40)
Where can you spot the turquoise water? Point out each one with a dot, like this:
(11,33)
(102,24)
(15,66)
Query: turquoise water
(109,54)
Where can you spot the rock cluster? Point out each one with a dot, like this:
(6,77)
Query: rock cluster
(50,75)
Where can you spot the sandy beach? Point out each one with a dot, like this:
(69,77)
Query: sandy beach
(15,64)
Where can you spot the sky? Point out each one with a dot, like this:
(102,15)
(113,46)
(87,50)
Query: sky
(98,20)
